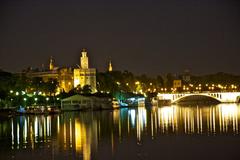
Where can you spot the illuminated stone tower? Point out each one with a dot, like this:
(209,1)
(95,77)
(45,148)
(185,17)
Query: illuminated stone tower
(51,64)
(110,67)
(85,75)
(84,60)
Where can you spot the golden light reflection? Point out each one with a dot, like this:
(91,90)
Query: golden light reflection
(228,117)
(78,136)
(83,132)
(115,116)
(141,121)
(83,144)
(167,118)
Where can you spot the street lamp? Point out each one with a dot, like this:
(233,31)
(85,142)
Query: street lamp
(47,99)
(35,99)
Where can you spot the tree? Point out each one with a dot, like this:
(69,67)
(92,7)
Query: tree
(86,89)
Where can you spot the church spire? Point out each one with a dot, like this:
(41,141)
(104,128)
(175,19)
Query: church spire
(51,64)
(110,66)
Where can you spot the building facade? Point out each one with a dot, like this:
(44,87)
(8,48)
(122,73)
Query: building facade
(85,75)
(67,77)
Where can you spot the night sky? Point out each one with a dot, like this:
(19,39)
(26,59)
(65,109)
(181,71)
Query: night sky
(151,36)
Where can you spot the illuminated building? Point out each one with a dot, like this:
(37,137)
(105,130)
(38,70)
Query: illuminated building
(177,83)
(46,74)
(64,76)
(67,77)
(85,75)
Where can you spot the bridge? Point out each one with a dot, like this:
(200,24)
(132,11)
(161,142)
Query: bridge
(221,97)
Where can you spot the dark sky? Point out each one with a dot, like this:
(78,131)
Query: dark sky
(151,37)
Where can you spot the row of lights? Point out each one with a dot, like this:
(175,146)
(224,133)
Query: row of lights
(34,93)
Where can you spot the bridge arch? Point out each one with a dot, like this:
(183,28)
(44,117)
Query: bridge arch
(198,98)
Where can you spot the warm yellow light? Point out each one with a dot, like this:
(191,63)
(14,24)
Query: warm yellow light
(76,82)
(137,82)
(228,111)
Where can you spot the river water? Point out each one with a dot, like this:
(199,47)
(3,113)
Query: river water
(170,132)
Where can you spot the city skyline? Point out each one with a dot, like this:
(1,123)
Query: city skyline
(138,36)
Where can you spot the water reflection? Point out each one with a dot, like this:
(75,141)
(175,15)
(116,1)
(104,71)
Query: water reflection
(82,134)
